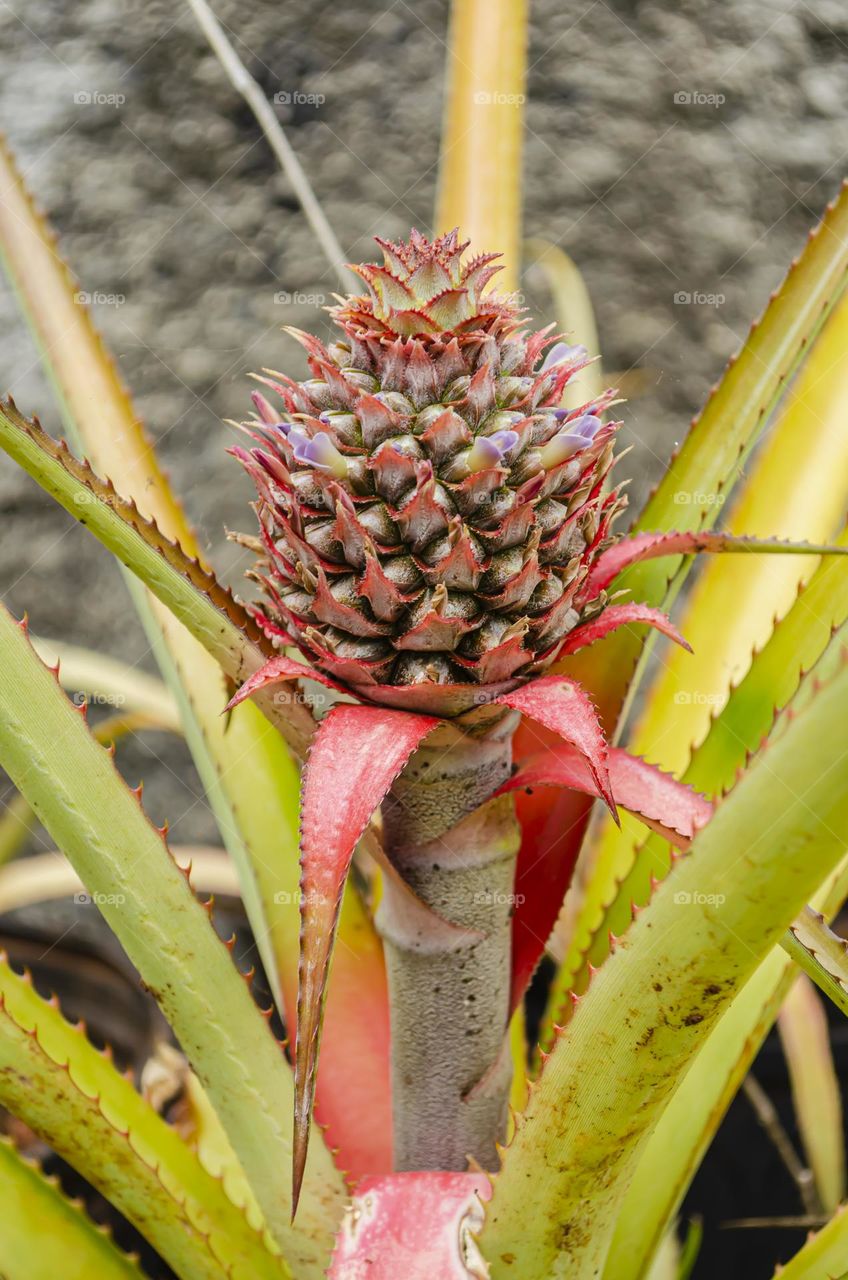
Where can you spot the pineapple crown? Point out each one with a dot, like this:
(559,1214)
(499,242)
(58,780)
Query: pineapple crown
(429,512)
(424,289)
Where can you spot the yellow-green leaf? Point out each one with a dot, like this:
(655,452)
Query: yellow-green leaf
(43,1235)
(652,1004)
(480,168)
(71,783)
(804,1034)
(76,1101)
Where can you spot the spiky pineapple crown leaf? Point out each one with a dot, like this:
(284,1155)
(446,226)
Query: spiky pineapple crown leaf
(429,513)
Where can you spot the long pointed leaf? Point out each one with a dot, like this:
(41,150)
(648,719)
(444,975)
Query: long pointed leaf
(674,972)
(824,1255)
(793,490)
(622,615)
(697,482)
(715,451)
(562,707)
(356,756)
(72,784)
(246,771)
(75,1100)
(668,807)
(45,1235)
(689,1123)
(480,169)
(655,546)
(805,1036)
(190,591)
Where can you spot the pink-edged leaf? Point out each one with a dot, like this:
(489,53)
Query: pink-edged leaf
(356,754)
(278,670)
(551,834)
(560,705)
(667,806)
(410,1226)
(621,615)
(649,546)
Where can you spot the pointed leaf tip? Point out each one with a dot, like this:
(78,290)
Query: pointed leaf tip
(622,615)
(562,706)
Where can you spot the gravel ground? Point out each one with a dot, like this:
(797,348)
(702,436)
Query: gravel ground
(676,150)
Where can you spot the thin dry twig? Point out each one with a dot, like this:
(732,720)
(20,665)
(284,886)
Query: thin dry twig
(769,1119)
(244,83)
(806,1222)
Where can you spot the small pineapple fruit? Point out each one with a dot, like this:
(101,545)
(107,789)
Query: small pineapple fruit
(428,512)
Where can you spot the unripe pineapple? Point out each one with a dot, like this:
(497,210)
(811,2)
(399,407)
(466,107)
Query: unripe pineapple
(428,511)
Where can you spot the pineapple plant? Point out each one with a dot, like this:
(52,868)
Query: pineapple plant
(437,547)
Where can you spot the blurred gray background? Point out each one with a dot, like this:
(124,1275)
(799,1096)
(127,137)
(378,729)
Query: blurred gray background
(672,149)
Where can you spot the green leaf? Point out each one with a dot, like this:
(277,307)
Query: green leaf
(716,449)
(480,154)
(824,1255)
(17,821)
(821,954)
(246,771)
(190,592)
(622,866)
(722,436)
(652,1004)
(805,1036)
(575,315)
(71,783)
(44,1235)
(76,1101)
(686,1127)
(110,682)
(789,492)
(707,466)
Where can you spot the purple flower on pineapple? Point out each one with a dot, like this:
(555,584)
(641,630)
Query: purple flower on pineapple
(562,353)
(579,435)
(489,451)
(317,451)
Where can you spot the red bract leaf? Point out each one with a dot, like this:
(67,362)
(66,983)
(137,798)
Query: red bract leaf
(356,754)
(649,546)
(277,671)
(621,615)
(410,1226)
(560,705)
(552,834)
(665,805)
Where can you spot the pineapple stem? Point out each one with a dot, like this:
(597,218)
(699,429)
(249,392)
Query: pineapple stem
(451,1067)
